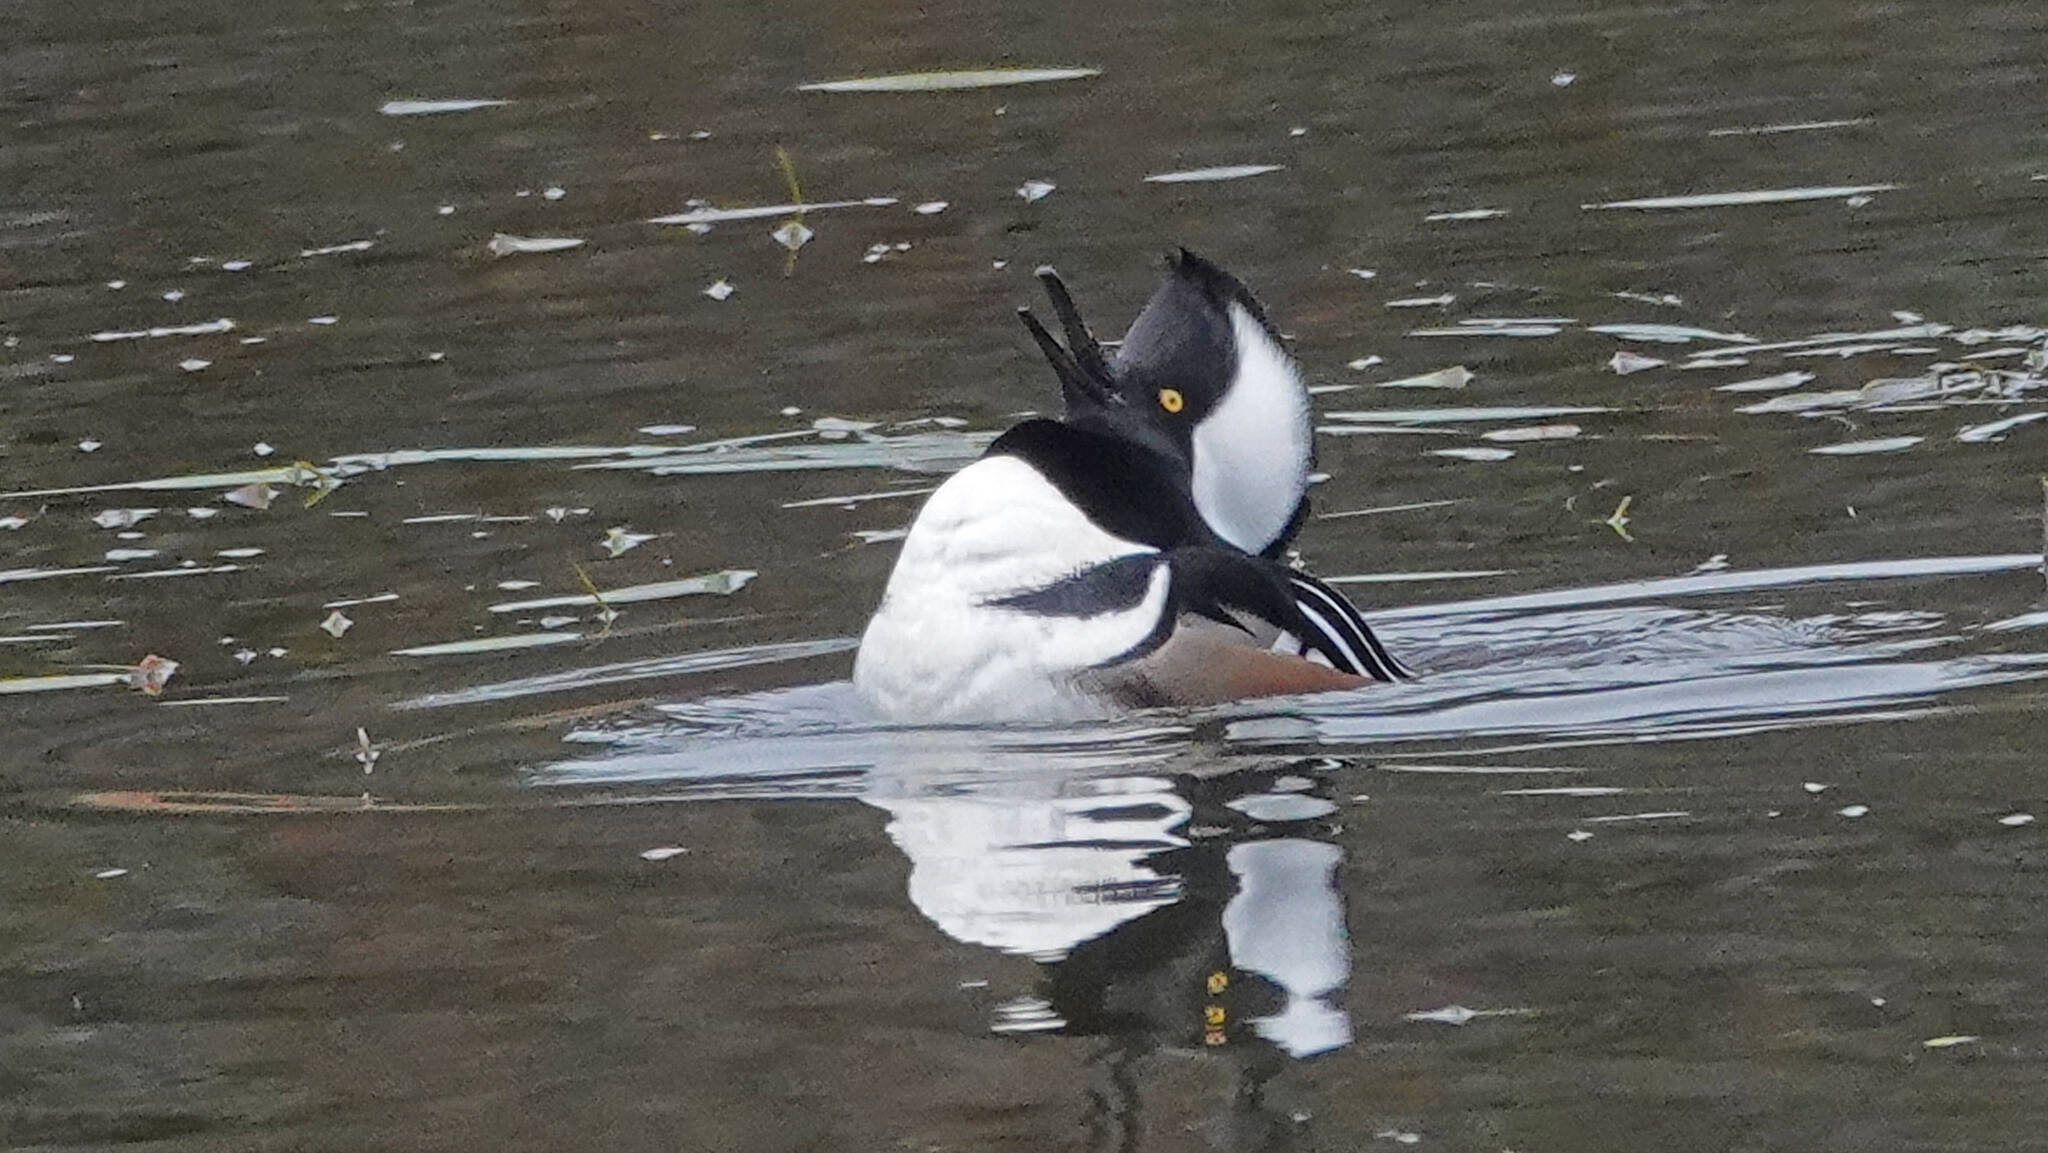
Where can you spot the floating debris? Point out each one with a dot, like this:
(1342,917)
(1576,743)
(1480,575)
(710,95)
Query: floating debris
(1524,330)
(122,517)
(489,645)
(723,583)
(435,107)
(1578,835)
(1466,214)
(1996,430)
(366,752)
(1562,79)
(1854,811)
(950,81)
(708,215)
(338,249)
(1365,362)
(88,445)
(1385,578)
(1618,519)
(1532,432)
(1624,363)
(930,207)
(1668,333)
(1662,815)
(1363,273)
(204,328)
(1443,301)
(506,244)
(194,364)
(1463,415)
(1951,1041)
(793,234)
(1203,175)
(1863,447)
(1802,126)
(256,496)
(1779,383)
(719,289)
(109,874)
(662,853)
(619,540)
(1033,191)
(2016,820)
(151,674)
(1474,454)
(336,624)
(1757,196)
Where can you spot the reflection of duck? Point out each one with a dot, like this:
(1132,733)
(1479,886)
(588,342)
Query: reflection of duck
(1198,915)
(1122,556)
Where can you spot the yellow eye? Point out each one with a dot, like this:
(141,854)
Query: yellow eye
(1170,399)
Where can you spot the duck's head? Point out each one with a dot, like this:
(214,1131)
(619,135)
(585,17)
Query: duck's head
(1202,378)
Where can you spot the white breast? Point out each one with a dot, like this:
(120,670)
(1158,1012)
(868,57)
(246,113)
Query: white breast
(1251,452)
(936,652)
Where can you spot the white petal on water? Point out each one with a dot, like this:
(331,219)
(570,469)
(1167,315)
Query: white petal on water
(88,445)
(1625,362)
(1578,835)
(506,244)
(950,81)
(1362,273)
(336,624)
(204,328)
(175,295)
(719,289)
(514,586)
(194,364)
(1461,415)
(764,211)
(722,583)
(1035,190)
(109,874)
(553,192)
(1814,787)
(1532,432)
(1854,811)
(1562,79)
(2016,820)
(323,320)
(662,853)
(1466,214)
(1516,321)
(77,626)
(1474,454)
(1801,126)
(1862,447)
(930,207)
(1444,301)
(1756,196)
(1222,172)
(236,265)
(262,448)
(1668,333)
(256,496)
(489,645)
(435,107)
(1996,430)
(1779,383)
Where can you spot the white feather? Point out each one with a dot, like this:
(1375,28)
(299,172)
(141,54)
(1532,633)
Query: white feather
(1251,453)
(936,652)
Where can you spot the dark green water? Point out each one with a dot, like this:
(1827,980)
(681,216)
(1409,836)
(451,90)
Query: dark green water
(1711,832)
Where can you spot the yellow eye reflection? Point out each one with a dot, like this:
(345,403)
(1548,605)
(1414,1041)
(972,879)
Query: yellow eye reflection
(1170,400)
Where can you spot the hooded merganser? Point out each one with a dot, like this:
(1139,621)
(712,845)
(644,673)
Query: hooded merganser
(1123,556)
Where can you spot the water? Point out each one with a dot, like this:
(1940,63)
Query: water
(1711,814)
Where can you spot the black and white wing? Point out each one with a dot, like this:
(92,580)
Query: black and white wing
(1338,628)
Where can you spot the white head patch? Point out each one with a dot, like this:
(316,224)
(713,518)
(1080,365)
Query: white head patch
(1251,452)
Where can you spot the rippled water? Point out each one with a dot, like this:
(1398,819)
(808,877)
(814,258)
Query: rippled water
(504,418)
